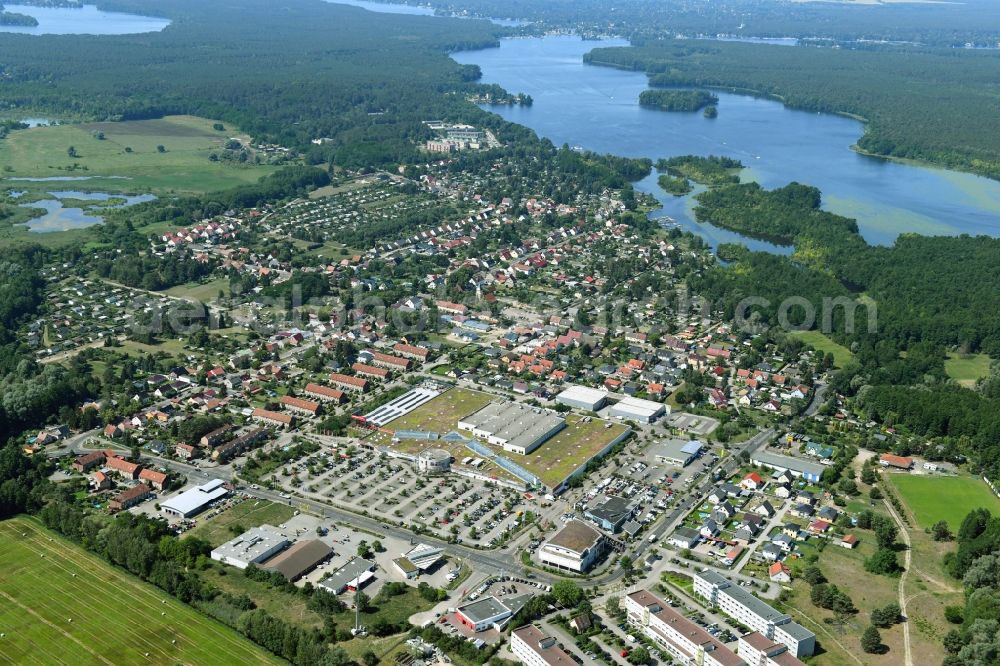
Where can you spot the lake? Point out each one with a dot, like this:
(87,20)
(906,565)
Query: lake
(60,218)
(85,20)
(597,108)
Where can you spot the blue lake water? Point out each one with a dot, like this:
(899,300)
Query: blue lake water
(60,218)
(85,20)
(597,108)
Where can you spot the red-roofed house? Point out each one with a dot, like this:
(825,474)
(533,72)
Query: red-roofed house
(779,573)
(156,479)
(899,462)
(300,405)
(324,393)
(752,481)
(129,498)
(349,383)
(124,468)
(274,418)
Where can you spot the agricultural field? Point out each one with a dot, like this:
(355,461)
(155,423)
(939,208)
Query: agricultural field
(967,369)
(128,156)
(250,513)
(59,602)
(947,498)
(821,343)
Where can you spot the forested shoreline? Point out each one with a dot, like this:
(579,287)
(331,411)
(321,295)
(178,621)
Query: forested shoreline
(930,105)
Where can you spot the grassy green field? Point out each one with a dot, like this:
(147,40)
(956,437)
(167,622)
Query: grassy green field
(821,343)
(250,513)
(201,292)
(572,446)
(185,167)
(967,369)
(63,605)
(443,412)
(948,498)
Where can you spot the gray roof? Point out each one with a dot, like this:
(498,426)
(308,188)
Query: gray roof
(484,609)
(516,424)
(195,499)
(789,463)
(340,578)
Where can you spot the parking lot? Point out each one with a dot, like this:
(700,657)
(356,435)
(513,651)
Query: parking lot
(363,480)
(696,425)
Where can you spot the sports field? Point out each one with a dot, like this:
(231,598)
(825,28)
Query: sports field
(129,151)
(967,369)
(60,604)
(948,498)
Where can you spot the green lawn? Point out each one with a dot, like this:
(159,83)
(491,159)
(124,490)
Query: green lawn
(250,513)
(821,343)
(59,603)
(571,447)
(443,412)
(948,498)
(201,292)
(967,369)
(183,167)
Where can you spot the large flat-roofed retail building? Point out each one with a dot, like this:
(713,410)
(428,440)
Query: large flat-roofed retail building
(678,452)
(516,427)
(195,500)
(252,547)
(637,409)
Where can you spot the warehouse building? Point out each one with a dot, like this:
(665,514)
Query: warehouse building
(193,501)
(252,547)
(490,612)
(300,559)
(808,470)
(584,398)
(680,452)
(352,576)
(637,409)
(516,427)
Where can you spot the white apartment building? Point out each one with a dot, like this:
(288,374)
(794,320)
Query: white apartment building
(738,603)
(534,648)
(686,642)
(758,650)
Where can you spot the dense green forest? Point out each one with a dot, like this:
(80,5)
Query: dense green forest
(677,100)
(936,105)
(286,74)
(925,294)
(711,170)
(944,23)
(14,18)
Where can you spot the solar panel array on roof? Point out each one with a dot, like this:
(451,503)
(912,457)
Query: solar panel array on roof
(400,406)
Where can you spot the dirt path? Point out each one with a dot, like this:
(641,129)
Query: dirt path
(907,563)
